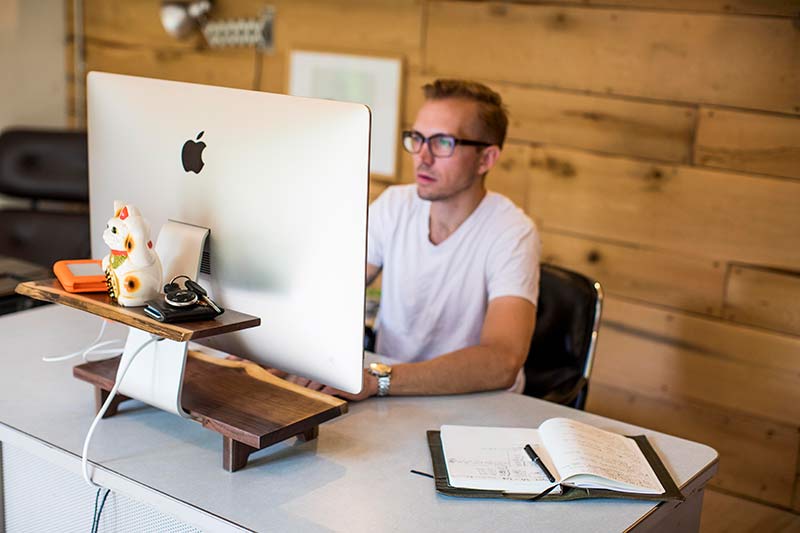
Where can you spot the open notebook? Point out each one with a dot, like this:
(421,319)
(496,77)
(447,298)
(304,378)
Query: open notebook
(585,461)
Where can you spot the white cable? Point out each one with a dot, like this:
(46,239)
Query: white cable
(106,405)
(116,346)
(83,353)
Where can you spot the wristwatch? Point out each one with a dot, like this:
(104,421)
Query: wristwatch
(384,374)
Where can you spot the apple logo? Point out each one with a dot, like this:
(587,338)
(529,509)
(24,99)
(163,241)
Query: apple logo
(192,155)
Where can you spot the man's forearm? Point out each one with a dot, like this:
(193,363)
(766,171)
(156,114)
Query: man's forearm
(471,369)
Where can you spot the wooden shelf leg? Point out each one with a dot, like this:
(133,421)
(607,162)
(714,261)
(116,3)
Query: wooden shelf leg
(100,397)
(235,454)
(309,434)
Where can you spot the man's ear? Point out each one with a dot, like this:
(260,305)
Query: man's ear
(489,157)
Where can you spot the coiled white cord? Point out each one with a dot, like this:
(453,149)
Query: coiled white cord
(106,405)
(113,347)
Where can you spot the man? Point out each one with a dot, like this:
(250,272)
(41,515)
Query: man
(460,264)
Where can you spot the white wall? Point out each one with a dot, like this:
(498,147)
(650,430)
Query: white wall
(32,71)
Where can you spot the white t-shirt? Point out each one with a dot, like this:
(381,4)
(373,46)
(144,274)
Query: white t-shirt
(434,297)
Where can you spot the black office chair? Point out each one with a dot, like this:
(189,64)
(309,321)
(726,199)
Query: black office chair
(46,172)
(45,166)
(562,349)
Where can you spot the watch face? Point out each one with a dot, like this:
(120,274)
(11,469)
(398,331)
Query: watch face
(380,369)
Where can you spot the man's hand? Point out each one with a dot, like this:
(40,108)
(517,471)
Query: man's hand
(369,389)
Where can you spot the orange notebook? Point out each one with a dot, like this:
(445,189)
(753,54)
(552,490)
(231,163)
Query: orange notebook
(81,275)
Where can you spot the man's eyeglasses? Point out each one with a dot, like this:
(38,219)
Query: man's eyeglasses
(441,145)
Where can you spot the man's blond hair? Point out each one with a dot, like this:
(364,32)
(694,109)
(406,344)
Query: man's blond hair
(492,114)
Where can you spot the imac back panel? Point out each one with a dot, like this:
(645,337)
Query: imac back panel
(281,182)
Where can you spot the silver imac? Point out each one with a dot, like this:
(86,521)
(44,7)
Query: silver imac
(282,184)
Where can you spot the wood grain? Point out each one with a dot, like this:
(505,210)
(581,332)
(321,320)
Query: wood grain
(131,23)
(273,76)
(672,355)
(240,400)
(693,212)
(754,453)
(251,405)
(605,124)
(380,26)
(750,142)
(785,8)
(648,274)
(225,68)
(724,513)
(100,304)
(368,26)
(670,56)
(763,297)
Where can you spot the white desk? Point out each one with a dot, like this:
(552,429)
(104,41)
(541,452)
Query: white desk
(355,477)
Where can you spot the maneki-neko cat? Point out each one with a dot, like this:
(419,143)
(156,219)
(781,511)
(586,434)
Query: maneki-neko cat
(133,270)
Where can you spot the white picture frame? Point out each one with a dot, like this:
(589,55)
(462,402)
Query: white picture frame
(369,80)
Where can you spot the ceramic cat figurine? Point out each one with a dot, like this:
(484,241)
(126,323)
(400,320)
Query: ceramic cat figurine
(133,270)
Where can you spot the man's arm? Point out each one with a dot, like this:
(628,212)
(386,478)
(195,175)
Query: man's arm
(491,364)
(372,273)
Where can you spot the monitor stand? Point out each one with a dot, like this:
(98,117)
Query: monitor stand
(155,376)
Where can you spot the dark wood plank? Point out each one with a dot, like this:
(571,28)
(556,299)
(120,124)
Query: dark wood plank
(100,304)
(100,397)
(238,399)
(235,454)
(244,401)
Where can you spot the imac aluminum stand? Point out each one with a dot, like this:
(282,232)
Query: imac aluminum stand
(156,375)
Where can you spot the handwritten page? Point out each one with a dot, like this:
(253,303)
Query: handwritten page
(492,458)
(584,453)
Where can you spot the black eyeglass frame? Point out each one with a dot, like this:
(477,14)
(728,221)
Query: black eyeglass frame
(427,140)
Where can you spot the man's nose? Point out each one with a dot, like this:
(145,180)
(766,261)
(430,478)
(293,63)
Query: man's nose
(425,155)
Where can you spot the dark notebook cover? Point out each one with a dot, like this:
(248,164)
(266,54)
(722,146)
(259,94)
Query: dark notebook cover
(672,492)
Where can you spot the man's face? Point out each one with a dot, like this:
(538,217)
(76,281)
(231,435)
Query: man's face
(442,178)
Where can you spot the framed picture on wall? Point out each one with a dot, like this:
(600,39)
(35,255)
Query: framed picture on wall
(370,80)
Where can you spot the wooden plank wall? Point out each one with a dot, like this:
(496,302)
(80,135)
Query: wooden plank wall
(655,142)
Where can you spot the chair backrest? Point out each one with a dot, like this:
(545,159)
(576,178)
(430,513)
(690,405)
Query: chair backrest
(567,320)
(38,165)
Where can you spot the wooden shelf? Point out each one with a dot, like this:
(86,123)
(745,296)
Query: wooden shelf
(248,406)
(100,304)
